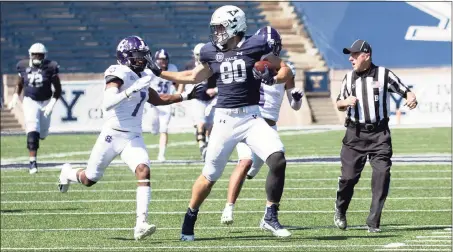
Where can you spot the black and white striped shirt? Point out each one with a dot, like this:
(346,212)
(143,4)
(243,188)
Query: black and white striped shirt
(371,89)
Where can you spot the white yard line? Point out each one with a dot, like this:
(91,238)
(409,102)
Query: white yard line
(226,180)
(219,212)
(68,154)
(403,157)
(217,189)
(222,199)
(178,228)
(439,240)
(302,171)
(410,249)
(209,248)
(229,247)
(433,236)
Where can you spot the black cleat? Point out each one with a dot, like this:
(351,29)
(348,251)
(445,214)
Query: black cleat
(340,219)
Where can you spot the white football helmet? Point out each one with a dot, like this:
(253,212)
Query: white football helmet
(197,50)
(226,22)
(37,48)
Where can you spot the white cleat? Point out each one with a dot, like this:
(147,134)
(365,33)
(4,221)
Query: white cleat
(161,158)
(227,216)
(187,237)
(143,230)
(63,182)
(33,170)
(276,229)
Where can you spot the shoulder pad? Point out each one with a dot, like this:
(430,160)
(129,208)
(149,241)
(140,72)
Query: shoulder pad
(207,53)
(119,71)
(53,65)
(22,65)
(172,68)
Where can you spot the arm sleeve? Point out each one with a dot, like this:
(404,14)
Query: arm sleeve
(112,98)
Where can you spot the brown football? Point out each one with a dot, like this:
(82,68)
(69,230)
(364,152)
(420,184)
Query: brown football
(262,64)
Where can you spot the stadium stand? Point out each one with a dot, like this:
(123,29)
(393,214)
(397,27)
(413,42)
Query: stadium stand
(84,41)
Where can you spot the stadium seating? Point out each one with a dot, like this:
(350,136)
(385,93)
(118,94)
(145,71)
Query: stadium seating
(82,36)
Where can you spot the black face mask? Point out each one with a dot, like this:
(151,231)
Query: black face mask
(138,61)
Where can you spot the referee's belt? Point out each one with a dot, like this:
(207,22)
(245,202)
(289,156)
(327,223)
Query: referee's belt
(366,126)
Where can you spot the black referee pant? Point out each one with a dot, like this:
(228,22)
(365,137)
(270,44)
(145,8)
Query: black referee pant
(358,145)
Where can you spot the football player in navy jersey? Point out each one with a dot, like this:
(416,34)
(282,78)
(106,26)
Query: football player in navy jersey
(229,59)
(36,75)
(270,103)
(201,111)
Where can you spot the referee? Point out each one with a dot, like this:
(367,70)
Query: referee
(364,95)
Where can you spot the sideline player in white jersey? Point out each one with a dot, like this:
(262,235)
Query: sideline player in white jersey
(229,59)
(36,76)
(270,103)
(126,91)
(201,110)
(161,115)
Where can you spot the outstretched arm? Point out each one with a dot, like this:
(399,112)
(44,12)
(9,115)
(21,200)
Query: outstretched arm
(167,99)
(197,75)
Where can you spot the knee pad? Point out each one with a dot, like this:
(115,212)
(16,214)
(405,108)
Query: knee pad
(200,136)
(276,162)
(33,140)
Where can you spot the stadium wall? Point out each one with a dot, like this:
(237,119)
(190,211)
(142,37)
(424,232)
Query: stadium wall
(79,109)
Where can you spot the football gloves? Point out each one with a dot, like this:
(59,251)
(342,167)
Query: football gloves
(192,94)
(267,77)
(49,107)
(297,94)
(152,65)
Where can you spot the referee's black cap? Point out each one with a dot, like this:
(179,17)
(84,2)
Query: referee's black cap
(358,46)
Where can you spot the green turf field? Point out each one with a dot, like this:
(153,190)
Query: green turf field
(35,216)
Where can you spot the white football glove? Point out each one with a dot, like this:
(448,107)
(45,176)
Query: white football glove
(13,101)
(49,107)
(297,94)
(138,85)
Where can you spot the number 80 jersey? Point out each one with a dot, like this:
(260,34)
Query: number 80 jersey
(127,116)
(232,71)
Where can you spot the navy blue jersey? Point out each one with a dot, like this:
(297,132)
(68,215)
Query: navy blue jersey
(37,80)
(201,93)
(232,71)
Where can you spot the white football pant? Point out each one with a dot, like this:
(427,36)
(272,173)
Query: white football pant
(111,143)
(34,117)
(232,126)
(245,153)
